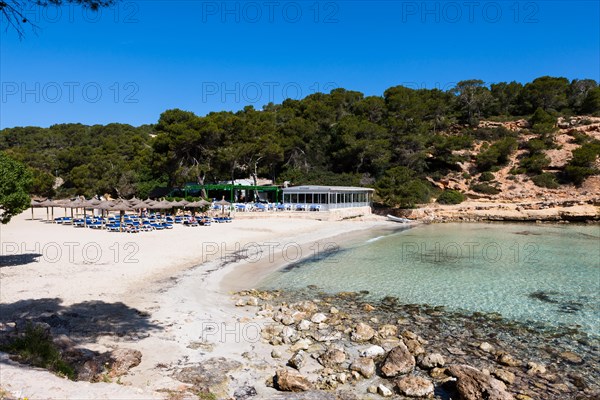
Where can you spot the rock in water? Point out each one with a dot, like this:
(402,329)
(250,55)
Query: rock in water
(291,381)
(415,386)
(473,384)
(364,365)
(398,361)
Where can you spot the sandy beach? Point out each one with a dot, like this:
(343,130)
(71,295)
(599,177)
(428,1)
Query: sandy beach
(166,294)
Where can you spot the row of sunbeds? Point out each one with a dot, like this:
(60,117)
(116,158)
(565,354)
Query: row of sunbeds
(136,223)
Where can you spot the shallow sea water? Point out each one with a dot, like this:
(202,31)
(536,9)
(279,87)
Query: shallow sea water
(546,274)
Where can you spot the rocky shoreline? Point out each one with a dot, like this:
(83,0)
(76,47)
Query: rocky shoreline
(556,211)
(347,348)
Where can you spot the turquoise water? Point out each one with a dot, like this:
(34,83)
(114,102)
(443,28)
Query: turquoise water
(547,274)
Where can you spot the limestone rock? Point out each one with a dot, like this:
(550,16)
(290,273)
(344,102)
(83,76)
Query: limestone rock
(332,357)
(388,331)
(302,344)
(211,375)
(384,391)
(276,353)
(303,325)
(473,384)
(571,357)
(535,368)
(244,393)
(508,360)
(252,301)
(362,333)
(364,365)
(432,360)
(414,346)
(291,381)
(485,346)
(398,361)
(504,375)
(415,386)
(297,360)
(122,360)
(318,318)
(373,351)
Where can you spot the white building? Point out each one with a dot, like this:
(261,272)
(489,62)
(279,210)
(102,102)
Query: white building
(327,197)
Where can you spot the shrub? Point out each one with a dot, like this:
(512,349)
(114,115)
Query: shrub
(534,164)
(497,154)
(401,187)
(582,164)
(485,189)
(486,176)
(546,180)
(451,197)
(35,347)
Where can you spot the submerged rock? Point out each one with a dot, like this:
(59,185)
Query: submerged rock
(473,384)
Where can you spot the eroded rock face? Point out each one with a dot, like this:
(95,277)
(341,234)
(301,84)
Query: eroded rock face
(415,386)
(123,360)
(291,381)
(209,376)
(473,384)
(398,361)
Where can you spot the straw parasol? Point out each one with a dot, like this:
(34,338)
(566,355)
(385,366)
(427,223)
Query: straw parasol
(121,206)
(48,203)
(79,203)
(34,204)
(223,203)
(182,203)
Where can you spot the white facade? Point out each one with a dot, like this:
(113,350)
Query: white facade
(315,198)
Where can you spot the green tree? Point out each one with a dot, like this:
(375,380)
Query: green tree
(15,181)
(547,92)
(591,103)
(400,186)
(14,12)
(472,98)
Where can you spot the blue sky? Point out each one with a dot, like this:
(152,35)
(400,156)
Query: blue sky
(131,62)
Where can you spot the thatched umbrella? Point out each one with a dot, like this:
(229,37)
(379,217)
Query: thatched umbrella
(150,201)
(197,204)
(223,203)
(48,203)
(134,200)
(34,204)
(79,203)
(121,206)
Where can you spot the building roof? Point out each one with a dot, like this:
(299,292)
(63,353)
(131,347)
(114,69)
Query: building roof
(325,189)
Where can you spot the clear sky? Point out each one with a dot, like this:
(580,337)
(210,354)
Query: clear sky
(131,62)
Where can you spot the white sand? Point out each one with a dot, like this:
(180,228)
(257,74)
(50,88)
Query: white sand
(154,272)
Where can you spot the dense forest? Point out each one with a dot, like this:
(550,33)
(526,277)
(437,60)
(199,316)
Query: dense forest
(393,142)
